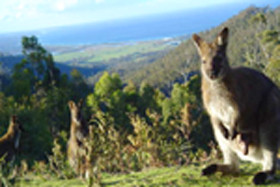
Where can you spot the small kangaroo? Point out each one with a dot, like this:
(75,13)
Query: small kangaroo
(243,142)
(9,142)
(78,132)
(242,104)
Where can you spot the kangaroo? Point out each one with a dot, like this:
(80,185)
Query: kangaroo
(9,142)
(243,142)
(240,102)
(78,132)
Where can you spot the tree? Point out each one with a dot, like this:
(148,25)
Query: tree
(268,39)
(131,97)
(273,67)
(147,99)
(41,61)
(36,73)
(107,85)
(259,19)
(108,96)
(4,78)
(78,83)
(23,83)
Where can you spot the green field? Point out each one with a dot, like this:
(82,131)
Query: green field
(168,176)
(106,52)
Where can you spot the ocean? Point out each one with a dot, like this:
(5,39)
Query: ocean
(167,25)
(172,24)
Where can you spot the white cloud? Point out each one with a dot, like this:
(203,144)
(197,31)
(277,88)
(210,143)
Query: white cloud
(17,9)
(61,5)
(99,1)
(183,4)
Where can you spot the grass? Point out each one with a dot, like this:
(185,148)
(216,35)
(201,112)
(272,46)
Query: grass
(156,177)
(106,52)
(123,51)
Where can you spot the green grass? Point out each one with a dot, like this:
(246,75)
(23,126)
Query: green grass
(106,52)
(122,51)
(156,177)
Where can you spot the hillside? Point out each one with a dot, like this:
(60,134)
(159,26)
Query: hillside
(183,60)
(9,61)
(116,57)
(93,60)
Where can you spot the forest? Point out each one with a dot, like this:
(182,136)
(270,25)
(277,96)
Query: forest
(148,117)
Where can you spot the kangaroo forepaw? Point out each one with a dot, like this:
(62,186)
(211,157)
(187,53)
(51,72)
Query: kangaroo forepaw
(260,178)
(209,170)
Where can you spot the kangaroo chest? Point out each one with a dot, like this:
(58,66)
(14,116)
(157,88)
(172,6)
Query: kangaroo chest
(222,110)
(221,107)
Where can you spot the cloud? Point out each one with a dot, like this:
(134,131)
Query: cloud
(61,5)
(99,1)
(20,9)
(182,4)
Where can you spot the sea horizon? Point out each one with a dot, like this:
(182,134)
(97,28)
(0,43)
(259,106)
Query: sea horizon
(152,27)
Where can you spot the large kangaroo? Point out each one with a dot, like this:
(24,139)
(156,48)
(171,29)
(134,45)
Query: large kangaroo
(78,132)
(9,142)
(243,104)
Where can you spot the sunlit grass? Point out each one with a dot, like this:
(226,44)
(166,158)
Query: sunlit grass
(167,176)
(103,53)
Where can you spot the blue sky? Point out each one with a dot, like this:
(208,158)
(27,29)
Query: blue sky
(20,15)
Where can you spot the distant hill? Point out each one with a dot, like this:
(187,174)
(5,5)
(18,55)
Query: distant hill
(92,60)
(9,61)
(178,63)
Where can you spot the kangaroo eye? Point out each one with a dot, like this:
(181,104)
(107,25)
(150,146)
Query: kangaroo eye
(204,61)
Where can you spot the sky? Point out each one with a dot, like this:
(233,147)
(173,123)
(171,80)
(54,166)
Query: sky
(22,15)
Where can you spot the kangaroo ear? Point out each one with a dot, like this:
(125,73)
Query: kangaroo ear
(71,104)
(14,118)
(197,40)
(222,37)
(81,102)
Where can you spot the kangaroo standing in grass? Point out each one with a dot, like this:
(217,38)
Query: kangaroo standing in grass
(243,104)
(9,142)
(78,132)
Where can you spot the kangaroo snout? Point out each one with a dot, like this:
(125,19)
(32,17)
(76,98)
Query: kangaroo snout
(213,73)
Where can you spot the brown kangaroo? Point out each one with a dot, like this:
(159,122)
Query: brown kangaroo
(243,104)
(78,132)
(9,142)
